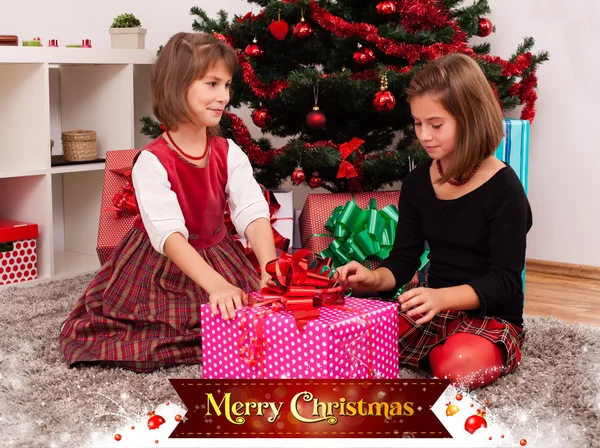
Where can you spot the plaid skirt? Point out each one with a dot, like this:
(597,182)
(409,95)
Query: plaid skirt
(141,312)
(416,341)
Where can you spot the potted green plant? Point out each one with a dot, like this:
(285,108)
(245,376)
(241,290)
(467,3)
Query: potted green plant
(126,32)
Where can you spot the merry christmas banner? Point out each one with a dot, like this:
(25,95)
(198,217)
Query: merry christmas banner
(357,409)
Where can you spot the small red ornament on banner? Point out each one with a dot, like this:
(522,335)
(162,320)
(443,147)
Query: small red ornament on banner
(155,421)
(384,100)
(253,50)
(86,43)
(485,27)
(315,180)
(53,43)
(386,8)
(279,28)
(363,56)
(261,117)
(298,175)
(474,422)
(346,169)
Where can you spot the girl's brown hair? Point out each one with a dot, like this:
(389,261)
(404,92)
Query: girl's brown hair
(460,86)
(185,58)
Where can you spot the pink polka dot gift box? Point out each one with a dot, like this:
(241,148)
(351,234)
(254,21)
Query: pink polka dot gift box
(18,255)
(354,341)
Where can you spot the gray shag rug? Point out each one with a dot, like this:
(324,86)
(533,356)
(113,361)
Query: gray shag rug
(553,399)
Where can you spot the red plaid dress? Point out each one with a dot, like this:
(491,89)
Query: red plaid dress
(141,312)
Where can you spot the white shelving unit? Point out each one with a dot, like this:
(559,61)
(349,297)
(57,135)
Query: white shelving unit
(44,91)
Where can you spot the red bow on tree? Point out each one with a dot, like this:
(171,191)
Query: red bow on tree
(347,170)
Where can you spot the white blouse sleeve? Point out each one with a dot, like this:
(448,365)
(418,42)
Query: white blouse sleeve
(158,204)
(246,200)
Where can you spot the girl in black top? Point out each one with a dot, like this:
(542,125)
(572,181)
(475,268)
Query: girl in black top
(466,323)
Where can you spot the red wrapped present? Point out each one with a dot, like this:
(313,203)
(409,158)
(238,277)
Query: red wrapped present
(18,256)
(119,208)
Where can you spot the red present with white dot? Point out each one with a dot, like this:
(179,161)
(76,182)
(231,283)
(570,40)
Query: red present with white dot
(18,256)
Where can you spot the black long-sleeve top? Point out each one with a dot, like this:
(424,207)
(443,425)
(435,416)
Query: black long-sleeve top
(478,239)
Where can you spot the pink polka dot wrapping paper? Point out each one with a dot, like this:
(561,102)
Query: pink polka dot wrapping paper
(360,341)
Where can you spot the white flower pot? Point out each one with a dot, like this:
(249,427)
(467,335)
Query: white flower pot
(129,38)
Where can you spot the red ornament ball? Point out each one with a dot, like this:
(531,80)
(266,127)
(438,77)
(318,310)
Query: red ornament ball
(261,117)
(254,51)
(133,427)
(364,56)
(118,437)
(316,120)
(315,180)
(155,421)
(178,418)
(384,101)
(220,37)
(522,442)
(386,8)
(459,397)
(485,27)
(302,30)
(474,422)
(298,175)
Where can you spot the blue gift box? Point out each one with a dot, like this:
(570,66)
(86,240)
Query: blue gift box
(514,148)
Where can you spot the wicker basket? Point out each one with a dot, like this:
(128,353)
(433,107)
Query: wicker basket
(79,145)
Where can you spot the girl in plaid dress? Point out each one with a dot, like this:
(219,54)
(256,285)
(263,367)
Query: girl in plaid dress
(466,322)
(142,309)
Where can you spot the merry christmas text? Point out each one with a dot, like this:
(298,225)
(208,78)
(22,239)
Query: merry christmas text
(321,410)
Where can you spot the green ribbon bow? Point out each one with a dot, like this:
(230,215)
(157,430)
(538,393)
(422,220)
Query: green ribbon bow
(359,234)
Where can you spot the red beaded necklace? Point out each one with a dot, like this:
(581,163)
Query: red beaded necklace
(185,154)
(454,182)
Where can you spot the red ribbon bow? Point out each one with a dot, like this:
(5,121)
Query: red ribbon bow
(347,170)
(299,289)
(124,201)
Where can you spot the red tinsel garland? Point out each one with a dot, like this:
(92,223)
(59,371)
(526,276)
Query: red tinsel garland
(256,85)
(243,138)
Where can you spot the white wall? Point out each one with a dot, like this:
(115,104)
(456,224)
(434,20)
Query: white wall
(565,153)
(565,135)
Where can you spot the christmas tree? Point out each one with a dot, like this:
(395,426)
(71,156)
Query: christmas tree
(330,77)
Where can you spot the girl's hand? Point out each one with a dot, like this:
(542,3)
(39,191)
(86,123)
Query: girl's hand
(354,275)
(421,301)
(227,298)
(266,280)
